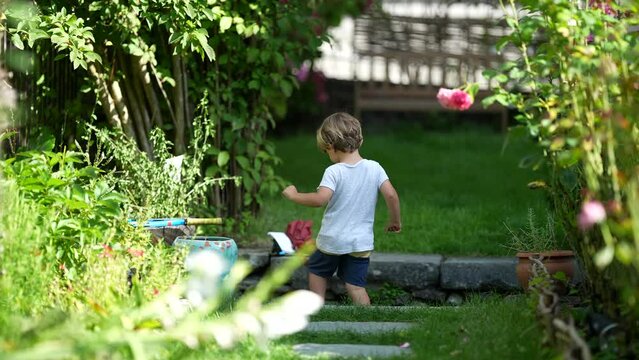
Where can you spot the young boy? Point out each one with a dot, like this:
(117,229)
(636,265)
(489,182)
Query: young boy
(349,187)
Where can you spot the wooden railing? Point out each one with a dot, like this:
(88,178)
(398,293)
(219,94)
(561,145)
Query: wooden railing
(404,60)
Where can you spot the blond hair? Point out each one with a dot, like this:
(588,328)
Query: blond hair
(341,131)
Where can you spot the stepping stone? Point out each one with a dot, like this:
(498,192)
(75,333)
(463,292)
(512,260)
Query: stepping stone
(383,307)
(350,350)
(366,327)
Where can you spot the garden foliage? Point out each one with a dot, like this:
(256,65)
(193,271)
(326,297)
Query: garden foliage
(149,62)
(76,280)
(575,86)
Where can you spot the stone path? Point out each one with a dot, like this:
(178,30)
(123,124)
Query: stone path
(354,350)
(356,327)
(350,350)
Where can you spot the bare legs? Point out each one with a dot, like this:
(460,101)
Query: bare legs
(358,294)
(317,284)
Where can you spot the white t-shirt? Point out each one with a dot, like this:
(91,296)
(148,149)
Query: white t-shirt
(347,225)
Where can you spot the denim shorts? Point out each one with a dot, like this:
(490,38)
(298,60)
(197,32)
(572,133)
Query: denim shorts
(350,269)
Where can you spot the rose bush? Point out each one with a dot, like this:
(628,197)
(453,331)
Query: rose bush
(575,86)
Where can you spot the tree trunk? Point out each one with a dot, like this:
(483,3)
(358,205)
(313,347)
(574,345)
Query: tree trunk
(187,104)
(116,93)
(108,104)
(143,78)
(178,99)
(137,118)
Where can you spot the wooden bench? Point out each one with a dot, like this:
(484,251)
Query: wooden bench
(417,56)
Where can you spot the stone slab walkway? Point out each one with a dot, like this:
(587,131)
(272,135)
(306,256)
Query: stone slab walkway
(364,327)
(353,350)
(384,307)
(350,350)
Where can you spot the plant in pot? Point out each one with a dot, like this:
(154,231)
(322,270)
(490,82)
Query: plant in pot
(535,241)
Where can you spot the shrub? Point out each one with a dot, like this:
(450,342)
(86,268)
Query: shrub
(575,84)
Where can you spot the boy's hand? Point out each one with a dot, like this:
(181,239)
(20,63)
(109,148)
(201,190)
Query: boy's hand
(396,227)
(289,192)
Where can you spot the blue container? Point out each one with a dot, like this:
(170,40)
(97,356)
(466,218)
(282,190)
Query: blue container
(222,245)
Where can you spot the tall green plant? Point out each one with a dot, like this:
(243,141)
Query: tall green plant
(156,187)
(578,77)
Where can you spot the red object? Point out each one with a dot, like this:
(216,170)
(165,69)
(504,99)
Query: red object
(299,231)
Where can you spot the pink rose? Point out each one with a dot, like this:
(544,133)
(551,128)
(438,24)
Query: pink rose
(302,73)
(592,212)
(454,99)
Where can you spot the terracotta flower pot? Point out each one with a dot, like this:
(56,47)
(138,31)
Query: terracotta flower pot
(555,261)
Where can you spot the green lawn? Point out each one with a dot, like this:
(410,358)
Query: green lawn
(482,328)
(457,189)
(490,328)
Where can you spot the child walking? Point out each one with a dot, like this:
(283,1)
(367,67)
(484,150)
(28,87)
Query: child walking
(349,187)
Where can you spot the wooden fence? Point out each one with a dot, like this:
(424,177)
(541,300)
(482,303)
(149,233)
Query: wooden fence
(48,90)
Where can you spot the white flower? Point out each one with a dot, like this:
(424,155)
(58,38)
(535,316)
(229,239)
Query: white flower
(205,264)
(225,336)
(177,309)
(190,341)
(290,314)
(205,268)
(247,323)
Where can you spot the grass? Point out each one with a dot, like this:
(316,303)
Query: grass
(483,328)
(458,190)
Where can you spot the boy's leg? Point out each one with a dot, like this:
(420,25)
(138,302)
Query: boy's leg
(353,270)
(320,268)
(358,294)
(317,284)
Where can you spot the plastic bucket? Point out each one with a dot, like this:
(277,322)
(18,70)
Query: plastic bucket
(224,246)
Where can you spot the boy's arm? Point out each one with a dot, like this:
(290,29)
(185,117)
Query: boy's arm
(316,199)
(392,202)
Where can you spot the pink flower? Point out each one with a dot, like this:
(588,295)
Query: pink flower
(303,72)
(454,99)
(107,251)
(136,252)
(603,5)
(592,212)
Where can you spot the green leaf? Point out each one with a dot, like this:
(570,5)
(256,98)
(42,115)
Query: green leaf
(502,42)
(243,161)
(568,158)
(92,57)
(37,34)
(208,13)
(625,253)
(254,84)
(501,78)
(223,158)
(287,87)
(240,28)
(17,42)
(225,23)
(210,53)
(6,135)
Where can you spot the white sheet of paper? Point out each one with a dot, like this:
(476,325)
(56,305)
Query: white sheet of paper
(283,241)
(174,167)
